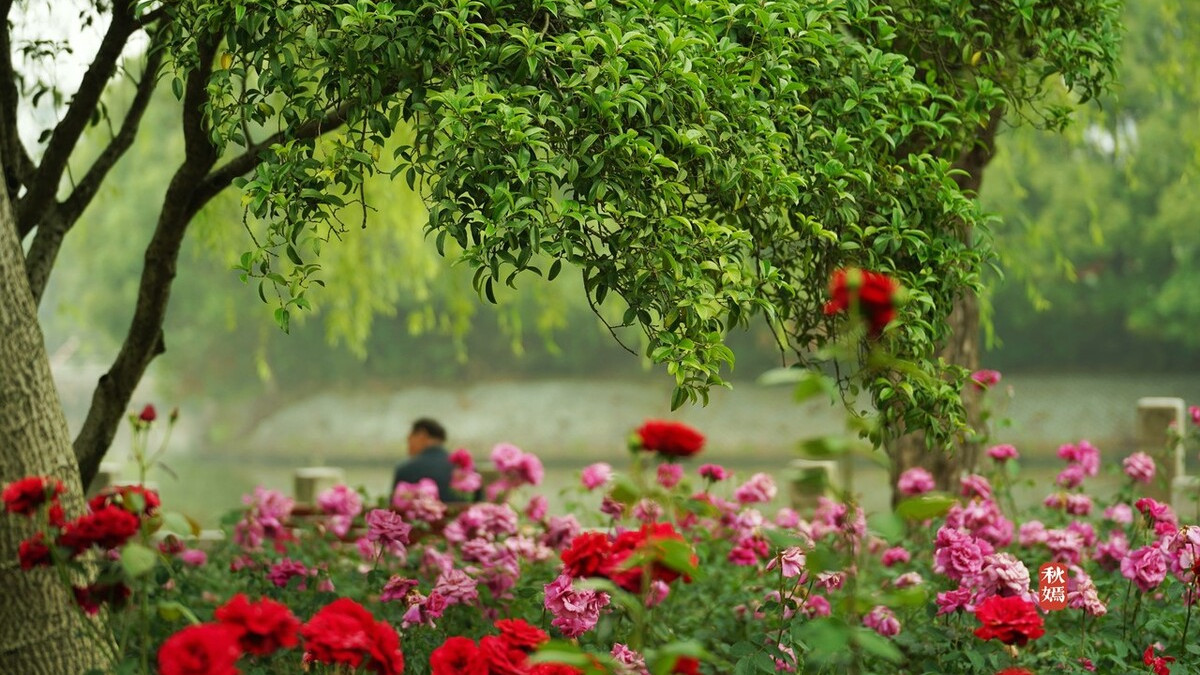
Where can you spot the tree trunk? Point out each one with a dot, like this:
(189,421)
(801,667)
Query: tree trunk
(41,629)
(961,347)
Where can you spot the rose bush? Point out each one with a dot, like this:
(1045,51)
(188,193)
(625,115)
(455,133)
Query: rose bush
(695,574)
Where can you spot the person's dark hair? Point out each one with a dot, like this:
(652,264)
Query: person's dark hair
(431,427)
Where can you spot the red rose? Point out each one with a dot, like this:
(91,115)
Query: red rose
(148,414)
(134,498)
(263,627)
(521,635)
(586,555)
(686,665)
(342,632)
(874,294)
(1014,671)
(644,543)
(554,669)
(206,649)
(1010,619)
(1158,663)
(502,658)
(108,527)
(34,552)
(458,656)
(673,439)
(90,598)
(25,495)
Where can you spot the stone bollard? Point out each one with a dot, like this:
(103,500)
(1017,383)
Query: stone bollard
(1185,498)
(812,478)
(312,480)
(1155,437)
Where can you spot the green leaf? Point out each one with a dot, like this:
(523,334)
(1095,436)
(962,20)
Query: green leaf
(887,525)
(137,559)
(877,645)
(926,506)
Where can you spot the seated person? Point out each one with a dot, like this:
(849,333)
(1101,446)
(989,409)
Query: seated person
(426,447)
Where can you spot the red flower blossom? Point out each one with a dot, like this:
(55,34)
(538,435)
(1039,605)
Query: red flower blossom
(586,555)
(206,649)
(148,414)
(686,665)
(458,656)
(872,292)
(25,495)
(108,527)
(34,552)
(554,669)
(643,543)
(1158,663)
(90,598)
(1015,671)
(134,498)
(1009,619)
(673,439)
(342,632)
(521,635)
(503,658)
(263,627)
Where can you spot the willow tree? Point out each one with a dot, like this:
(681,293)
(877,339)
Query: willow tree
(700,162)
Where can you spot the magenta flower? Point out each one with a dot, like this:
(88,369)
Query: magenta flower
(1003,574)
(193,556)
(895,556)
(957,554)
(419,501)
(908,579)
(915,481)
(1002,453)
(760,488)
(462,459)
(537,508)
(287,569)
(958,600)
(1194,412)
(1140,467)
(387,527)
(1032,532)
(1121,514)
(397,588)
(669,475)
(633,663)
(790,561)
(974,485)
(457,587)
(1146,567)
(815,606)
(883,621)
(595,475)
(713,472)
(985,379)
(340,500)
(575,611)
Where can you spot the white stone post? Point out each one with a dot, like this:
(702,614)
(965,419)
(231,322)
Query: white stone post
(312,480)
(1155,437)
(812,478)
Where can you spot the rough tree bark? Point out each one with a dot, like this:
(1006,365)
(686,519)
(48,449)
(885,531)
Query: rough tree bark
(41,629)
(961,347)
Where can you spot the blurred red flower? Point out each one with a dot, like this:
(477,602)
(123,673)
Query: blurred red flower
(343,632)
(25,495)
(458,656)
(673,439)
(873,293)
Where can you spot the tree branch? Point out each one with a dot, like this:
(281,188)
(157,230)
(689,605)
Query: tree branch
(43,185)
(15,158)
(220,179)
(144,341)
(39,262)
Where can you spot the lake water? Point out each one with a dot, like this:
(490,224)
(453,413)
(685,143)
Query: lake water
(572,423)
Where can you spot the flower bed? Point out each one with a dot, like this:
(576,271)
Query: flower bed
(677,571)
